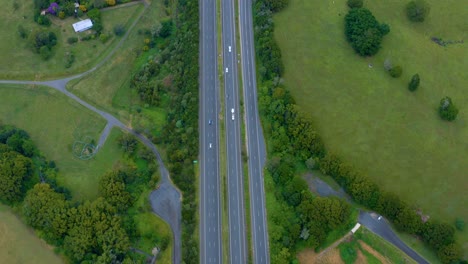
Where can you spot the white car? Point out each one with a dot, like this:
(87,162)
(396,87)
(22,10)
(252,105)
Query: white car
(229,48)
(227,70)
(380,217)
(210,145)
(232,112)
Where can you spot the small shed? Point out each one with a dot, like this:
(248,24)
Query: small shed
(83,25)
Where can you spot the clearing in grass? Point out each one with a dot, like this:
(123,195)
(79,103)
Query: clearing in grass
(54,122)
(369,118)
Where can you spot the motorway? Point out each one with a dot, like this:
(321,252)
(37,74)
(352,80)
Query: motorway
(210,203)
(255,142)
(235,187)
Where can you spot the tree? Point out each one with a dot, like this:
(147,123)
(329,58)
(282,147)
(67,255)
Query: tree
(396,71)
(166,29)
(46,210)
(355,3)
(363,31)
(15,169)
(417,10)
(438,235)
(45,52)
(112,189)
(449,254)
(414,83)
(447,110)
(110,2)
(119,30)
(128,143)
(276,5)
(408,221)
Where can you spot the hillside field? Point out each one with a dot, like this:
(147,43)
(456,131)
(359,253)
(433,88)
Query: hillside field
(370,119)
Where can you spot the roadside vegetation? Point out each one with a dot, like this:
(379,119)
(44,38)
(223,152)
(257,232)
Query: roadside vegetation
(156,91)
(293,140)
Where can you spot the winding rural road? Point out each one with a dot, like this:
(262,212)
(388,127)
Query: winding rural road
(166,199)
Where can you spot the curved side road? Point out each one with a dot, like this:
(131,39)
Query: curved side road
(383,229)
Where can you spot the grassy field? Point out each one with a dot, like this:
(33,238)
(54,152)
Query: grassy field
(29,65)
(54,122)
(370,119)
(19,245)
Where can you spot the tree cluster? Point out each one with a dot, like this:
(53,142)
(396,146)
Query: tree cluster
(268,51)
(364,32)
(42,42)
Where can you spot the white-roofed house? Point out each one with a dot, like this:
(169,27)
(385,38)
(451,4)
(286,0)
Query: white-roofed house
(83,25)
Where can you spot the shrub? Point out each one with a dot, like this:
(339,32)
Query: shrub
(72,40)
(45,52)
(110,2)
(43,20)
(119,30)
(166,29)
(460,224)
(355,3)
(417,10)
(69,59)
(22,32)
(61,15)
(396,71)
(87,37)
(364,32)
(414,83)
(447,110)
(104,38)
(94,14)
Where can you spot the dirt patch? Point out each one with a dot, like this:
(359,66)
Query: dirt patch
(374,252)
(308,256)
(361,259)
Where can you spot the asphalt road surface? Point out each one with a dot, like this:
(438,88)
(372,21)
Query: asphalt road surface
(382,229)
(255,141)
(235,187)
(210,203)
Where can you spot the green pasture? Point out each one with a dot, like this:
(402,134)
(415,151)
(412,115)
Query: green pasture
(55,122)
(29,65)
(370,119)
(19,244)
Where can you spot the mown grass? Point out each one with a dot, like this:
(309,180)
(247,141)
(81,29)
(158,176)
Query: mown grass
(55,122)
(19,245)
(370,119)
(29,65)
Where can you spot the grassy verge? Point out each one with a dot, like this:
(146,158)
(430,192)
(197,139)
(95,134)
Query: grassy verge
(387,250)
(371,119)
(29,65)
(54,129)
(19,245)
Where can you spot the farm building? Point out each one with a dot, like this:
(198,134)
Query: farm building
(83,25)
